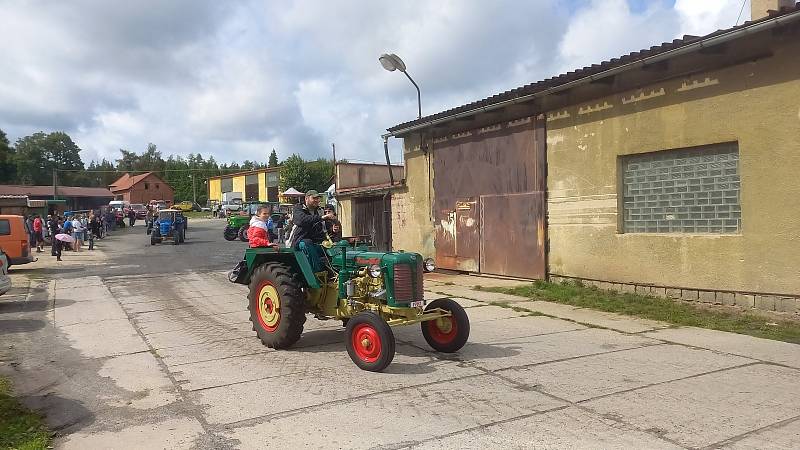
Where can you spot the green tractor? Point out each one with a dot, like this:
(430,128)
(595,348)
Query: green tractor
(239,221)
(237,225)
(370,292)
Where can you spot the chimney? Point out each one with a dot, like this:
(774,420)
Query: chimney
(759,8)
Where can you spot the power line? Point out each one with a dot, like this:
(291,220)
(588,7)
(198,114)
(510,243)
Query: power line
(740,12)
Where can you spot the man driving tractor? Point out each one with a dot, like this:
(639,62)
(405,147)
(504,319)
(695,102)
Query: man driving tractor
(309,229)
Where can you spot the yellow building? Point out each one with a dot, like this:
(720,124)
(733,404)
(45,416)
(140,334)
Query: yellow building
(255,185)
(670,171)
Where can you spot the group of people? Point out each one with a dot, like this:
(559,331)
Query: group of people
(82,228)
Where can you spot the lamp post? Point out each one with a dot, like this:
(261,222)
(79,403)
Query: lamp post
(392,62)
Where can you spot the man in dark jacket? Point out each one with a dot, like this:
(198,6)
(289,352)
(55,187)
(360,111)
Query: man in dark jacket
(309,229)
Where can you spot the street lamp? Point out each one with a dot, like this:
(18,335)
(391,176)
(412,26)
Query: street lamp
(392,62)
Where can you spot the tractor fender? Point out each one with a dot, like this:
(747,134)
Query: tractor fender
(296,259)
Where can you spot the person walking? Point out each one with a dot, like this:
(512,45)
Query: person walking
(131,217)
(38,235)
(94,229)
(52,224)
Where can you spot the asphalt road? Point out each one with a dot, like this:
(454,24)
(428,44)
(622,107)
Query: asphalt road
(139,346)
(129,251)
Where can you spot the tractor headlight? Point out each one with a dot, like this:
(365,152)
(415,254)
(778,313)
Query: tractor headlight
(374,271)
(429,265)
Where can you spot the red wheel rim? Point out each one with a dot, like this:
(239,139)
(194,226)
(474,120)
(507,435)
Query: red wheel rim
(366,342)
(267,307)
(443,330)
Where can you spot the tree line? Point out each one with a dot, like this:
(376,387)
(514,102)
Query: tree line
(32,160)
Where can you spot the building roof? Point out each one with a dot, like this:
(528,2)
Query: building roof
(61,191)
(594,71)
(126,181)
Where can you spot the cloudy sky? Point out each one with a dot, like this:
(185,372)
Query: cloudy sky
(236,79)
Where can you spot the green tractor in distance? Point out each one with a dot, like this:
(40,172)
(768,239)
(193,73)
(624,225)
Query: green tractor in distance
(237,225)
(370,292)
(239,221)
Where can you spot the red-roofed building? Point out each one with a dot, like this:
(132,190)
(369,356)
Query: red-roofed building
(141,188)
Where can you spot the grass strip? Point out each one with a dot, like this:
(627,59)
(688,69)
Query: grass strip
(19,428)
(654,308)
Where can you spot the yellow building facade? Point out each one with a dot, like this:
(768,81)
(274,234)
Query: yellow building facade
(256,185)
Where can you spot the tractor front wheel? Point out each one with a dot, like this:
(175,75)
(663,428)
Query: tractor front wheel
(446,334)
(231,233)
(243,233)
(276,304)
(370,341)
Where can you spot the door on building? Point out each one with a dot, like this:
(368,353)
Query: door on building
(489,199)
(458,238)
(372,217)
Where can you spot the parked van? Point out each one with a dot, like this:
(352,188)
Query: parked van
(14,240)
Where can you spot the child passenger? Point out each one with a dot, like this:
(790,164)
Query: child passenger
(258,233)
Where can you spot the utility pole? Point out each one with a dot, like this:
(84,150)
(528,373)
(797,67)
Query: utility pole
(55,174)
(194,192)
(334,163)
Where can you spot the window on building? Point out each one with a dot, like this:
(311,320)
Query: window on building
(226,185)
(691,190)
(5,227)
(251,188)
(146,186)
(156,185)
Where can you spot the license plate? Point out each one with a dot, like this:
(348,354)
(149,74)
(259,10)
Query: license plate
(418,304)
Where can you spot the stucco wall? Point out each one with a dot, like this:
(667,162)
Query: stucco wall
(349,175)
(215,189)
(345,214)
(756,104)
(412,225)
(238,184)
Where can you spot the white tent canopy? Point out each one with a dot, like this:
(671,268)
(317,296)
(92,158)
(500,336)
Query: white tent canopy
(292,192)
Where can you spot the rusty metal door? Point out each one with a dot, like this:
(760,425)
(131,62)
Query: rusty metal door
(513,235)
(497,175)
(458,237)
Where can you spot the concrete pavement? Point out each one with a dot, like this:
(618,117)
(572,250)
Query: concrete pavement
(168,360)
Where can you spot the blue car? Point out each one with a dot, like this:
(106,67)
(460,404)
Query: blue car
(170,225)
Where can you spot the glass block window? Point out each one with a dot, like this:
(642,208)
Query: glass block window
(251,179)
(272,179)
(692,190)
(226,185)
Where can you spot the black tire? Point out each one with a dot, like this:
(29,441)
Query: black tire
(456,331)
(370,341)
(243,233)
(280,327)
(231,234)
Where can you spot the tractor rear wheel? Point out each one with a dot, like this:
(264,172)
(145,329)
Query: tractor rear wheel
(243,233)
(370,341)
(231,233)
(277,305)
(447,334)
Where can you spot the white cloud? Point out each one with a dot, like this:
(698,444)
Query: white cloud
(235,80)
